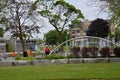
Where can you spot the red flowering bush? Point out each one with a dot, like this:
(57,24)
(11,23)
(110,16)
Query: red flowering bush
(84,52)
(75,50)
(117,51)
(105,51)
(93,51)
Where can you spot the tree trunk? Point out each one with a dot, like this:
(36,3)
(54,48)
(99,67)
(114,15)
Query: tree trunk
(23,44)
(61,39)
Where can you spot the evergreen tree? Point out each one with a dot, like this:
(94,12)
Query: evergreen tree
(98,28)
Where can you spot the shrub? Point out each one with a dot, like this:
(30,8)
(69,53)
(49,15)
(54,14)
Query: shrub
(69,56)
(117,51)
(41,48)
(105,51)
(75,51)
(24,58)
(10,48)
(0,59)
(84,52)
(93,51)
(54,56)
(18,58)
(29,58)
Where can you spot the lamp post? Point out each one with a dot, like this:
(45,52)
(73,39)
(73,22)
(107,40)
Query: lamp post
(15,44)
(14,39)
(66,44)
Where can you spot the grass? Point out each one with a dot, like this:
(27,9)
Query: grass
(63,71)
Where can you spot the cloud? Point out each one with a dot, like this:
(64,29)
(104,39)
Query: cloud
(89,12)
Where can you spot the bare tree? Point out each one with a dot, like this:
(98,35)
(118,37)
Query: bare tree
(21,19)
(110,6)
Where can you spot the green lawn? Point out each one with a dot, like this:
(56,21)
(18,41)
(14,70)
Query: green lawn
(61,71)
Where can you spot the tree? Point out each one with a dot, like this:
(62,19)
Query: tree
(98,28)
(52,37)
(21,19)
(3,4)
(117,35)
(59,14)
(1,32)
(112,7)
(77,22)
(40,41)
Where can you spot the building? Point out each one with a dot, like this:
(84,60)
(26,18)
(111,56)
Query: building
(80,30)
(31,44)
(12,44)
(75,31)
(2,44)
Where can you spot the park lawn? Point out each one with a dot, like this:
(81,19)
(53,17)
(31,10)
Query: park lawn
(62,71)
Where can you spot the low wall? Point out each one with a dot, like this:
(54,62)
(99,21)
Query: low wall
(58,61)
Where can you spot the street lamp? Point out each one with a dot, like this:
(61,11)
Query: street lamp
(14,39)
(66,44)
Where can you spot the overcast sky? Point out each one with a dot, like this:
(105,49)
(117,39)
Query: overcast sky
(89,12)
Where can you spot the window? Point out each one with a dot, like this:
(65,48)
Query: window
(78,31)
(73,32)
(85,29)
(2,41)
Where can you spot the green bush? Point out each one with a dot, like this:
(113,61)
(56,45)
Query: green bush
(24,58)
(18,58)
(29,58)
(0,58)
(41,48)
(54,56)
(69,56)
(10,48)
